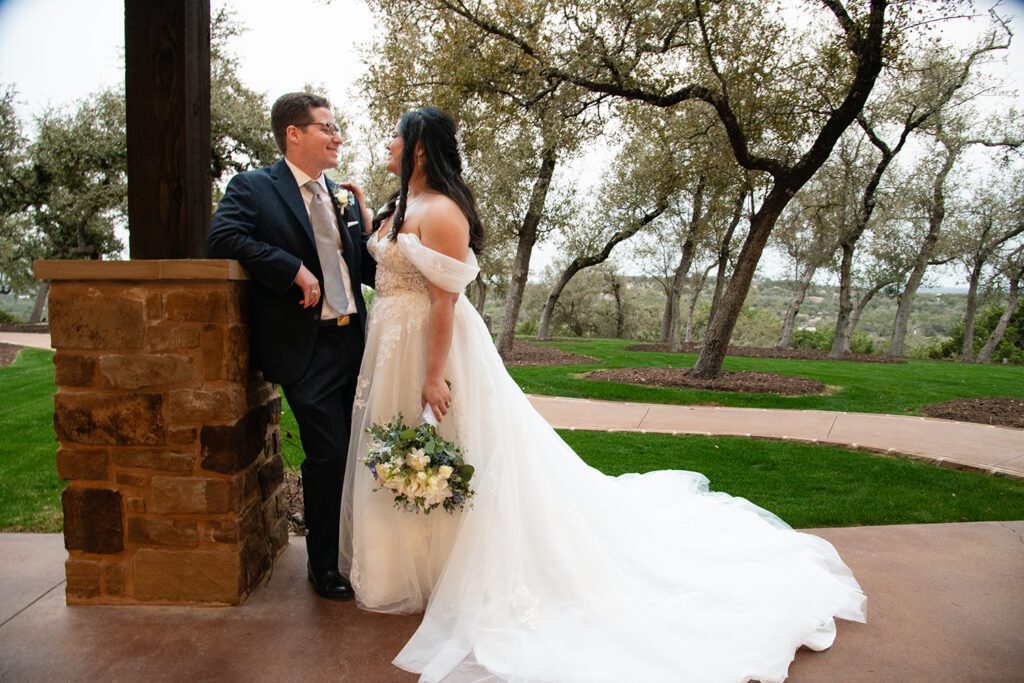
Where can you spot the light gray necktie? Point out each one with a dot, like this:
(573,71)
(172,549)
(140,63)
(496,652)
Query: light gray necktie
(328,243)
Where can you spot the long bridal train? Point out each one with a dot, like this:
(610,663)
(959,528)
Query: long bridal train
(558,572)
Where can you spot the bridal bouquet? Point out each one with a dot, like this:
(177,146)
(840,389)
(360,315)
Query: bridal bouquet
(423,469)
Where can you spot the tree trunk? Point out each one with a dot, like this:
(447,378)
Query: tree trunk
(858,310)
(40,303)
(480,293)
(556,292)
(666,315)
(786,338)
(967,350)
(936,215)
(723,256)
(698,288)
(709,364)
(685,261)
(841,341)
(620,306)
(985,355)
(587,261)
(524,249)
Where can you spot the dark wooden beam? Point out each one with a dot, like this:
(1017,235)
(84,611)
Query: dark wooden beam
(167,83)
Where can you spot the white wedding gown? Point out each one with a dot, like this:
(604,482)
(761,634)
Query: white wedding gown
(558,572)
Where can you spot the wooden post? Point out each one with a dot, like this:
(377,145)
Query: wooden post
(167,83)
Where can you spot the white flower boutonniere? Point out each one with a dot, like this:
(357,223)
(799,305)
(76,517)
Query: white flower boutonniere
(341,196)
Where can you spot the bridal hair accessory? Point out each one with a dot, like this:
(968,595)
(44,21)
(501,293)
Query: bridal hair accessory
(423,469)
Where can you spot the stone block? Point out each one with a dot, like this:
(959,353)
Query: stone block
(156,459)
(82,463)
(92,520)
(168,336)
(154,304)
(213,348)
(133,478)
(221,530)
(274,410)
(246,486)
(90,318)
(208,405)
(215,305)
(73,370)
(232,448)
(96,418)
(191,495)
(256,557)
(161,531)
(237,355)
(183,435)
(187,576)
(135,503)
(147,370)
(115,578)
(271,475)
(83,578)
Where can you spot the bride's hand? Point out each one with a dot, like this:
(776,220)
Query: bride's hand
(355,189)
(437,395)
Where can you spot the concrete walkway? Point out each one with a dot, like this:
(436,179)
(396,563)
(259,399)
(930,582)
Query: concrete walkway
(961,445)
(944,604)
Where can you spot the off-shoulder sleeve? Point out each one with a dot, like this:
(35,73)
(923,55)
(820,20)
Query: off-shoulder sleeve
(440,270)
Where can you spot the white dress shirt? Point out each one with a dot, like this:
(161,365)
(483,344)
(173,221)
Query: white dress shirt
(327,313)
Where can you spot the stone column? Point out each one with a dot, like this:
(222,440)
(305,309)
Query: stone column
(169,442)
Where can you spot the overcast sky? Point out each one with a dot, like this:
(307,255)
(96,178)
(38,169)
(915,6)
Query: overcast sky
(57,51)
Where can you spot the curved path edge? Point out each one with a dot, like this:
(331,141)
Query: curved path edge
(959,445)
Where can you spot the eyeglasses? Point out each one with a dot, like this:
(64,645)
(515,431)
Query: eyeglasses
(329,128)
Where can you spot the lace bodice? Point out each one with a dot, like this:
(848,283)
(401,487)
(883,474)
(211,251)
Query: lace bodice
(395,273)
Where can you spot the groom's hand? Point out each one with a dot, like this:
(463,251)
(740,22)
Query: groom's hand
(309,285)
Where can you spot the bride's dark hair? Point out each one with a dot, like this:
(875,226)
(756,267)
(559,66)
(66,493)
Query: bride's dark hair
(435,131)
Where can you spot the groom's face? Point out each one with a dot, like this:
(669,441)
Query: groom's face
(313,143)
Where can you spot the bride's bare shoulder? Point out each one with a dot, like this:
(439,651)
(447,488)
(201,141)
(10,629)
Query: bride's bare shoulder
(444,227)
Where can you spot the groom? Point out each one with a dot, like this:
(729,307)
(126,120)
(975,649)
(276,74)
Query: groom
(305,251)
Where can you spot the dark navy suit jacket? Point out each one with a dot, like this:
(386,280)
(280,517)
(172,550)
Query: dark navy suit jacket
(263,223)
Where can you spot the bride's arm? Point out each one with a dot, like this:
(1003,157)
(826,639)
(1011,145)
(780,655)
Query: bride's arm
(444,229)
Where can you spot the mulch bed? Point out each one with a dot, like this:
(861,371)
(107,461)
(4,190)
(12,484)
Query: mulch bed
(526,353)
(8,352)
(293,502)
(753,382)
(1005,412)
(25,327)
(758,352)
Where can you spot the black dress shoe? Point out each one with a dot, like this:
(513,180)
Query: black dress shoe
(330,584)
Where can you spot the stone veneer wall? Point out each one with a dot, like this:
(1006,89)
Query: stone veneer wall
(169,442)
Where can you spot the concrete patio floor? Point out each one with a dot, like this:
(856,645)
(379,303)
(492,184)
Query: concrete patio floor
(945,603)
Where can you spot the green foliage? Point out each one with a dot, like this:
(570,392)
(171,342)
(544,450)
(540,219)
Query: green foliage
(821,340)
(1010,347)
(6,317)
(809,485)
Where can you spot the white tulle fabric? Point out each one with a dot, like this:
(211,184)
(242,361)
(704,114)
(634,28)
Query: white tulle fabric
(558,572)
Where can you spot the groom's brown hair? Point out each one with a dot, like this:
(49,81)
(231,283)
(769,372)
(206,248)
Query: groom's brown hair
(292,109)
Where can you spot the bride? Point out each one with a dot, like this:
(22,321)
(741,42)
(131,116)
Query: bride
(557,572)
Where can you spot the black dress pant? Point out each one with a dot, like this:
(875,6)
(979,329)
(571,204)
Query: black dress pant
(322,403)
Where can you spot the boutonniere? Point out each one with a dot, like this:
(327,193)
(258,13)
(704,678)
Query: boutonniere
(341,196)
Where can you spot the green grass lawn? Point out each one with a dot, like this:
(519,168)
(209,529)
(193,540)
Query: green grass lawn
(808,486)
(29,488)
(899,389)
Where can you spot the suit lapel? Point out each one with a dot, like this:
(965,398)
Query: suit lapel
(284,183)
(348,248)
